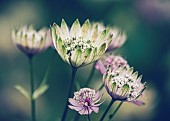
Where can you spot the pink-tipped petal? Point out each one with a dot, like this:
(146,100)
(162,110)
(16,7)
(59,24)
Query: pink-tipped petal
(75,108)
(97,97)
(99,66)
(74,102)
(95,109)
(138,102)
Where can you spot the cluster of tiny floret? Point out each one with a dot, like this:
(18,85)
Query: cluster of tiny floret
(75,43)
(130,92)
(84,96)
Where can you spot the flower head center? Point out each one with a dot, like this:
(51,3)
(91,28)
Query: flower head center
(74,43)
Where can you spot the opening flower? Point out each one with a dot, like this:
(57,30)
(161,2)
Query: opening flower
(118,38)
(109,59)
(124,85)
(80,45)
(30,41)
(85,101)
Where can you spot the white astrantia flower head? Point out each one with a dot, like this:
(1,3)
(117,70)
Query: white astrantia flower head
(80,45)
(30,41)
(118,38)
(124,85)
(85,101)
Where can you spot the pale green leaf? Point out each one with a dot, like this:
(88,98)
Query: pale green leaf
(41,90)
(22,91)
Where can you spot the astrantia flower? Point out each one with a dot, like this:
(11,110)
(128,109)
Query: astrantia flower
(109,59)
(30,41)
(118,38)
(124,85)
(85,101)
(80,45)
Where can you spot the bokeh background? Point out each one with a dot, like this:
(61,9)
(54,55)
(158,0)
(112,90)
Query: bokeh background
(147,24)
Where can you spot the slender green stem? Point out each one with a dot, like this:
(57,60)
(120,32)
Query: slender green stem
(48,70)
(74,70)
(33,108)
(91,75)
(76,117)
(101,87)
(115,111)
(89,117)
(111,103)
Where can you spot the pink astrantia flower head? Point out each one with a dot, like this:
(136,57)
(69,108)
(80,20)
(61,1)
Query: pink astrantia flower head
(112,60)
(30,41)
(124,85)
(85,101)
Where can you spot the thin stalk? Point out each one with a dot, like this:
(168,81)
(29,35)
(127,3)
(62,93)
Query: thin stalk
(115,111)
(48,70)
(91,75)
(111,103)
(101,87)
(89,117)
(74,70)
(33,107)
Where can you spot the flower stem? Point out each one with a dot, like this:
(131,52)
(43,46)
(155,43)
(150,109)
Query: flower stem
(91,75)
(89,117)
(33,108)
(48,70)
(115,111)
(101,87)
(111,103)
(74,70)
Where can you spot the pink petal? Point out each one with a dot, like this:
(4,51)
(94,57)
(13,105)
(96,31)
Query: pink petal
(138,102)
(97,97)
(99,66)
(75,108)
(95,109)
(74,102)
(85,111)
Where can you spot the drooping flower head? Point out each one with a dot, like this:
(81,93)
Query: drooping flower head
(30,41)
(109,59)
(80,45)
(124,85)
(118,38)
(85,101)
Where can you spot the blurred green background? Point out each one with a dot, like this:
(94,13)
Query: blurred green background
(147,24)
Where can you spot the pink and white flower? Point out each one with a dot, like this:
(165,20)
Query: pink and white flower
(85,101)
(30,41)
(112,60)
(124,85)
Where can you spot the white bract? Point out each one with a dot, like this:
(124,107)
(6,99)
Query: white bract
(122,84)
(80,45)
(118,38)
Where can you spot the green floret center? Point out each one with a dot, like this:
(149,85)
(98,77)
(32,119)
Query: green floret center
(75,43)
